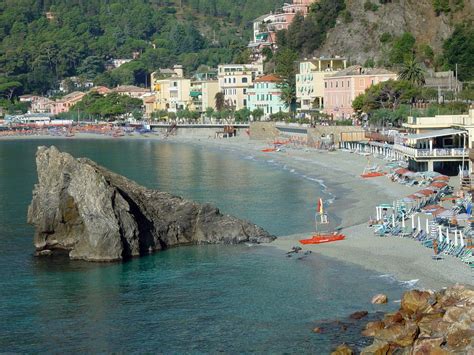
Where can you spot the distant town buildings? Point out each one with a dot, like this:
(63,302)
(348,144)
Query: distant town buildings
(265,27)
(266,95)
(341,88)
(310,80)
(64,104)
(131,90)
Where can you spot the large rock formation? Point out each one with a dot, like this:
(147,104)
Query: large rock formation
(93,214)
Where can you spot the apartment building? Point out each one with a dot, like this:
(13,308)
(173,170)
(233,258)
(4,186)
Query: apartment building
(266,95)
(341,88)
(310,80)
(234,81)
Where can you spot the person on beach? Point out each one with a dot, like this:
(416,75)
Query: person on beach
(435,247)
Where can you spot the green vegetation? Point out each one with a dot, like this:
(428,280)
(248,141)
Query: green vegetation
(305,35)
(459,49)
(412,72)
(370,6)
(111,106)
(82,35)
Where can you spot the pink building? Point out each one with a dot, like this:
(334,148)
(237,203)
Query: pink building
(65,104)
(342,88)
(38,104)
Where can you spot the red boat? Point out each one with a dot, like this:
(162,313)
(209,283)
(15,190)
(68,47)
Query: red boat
(323,238)
(269,150)
(372,174)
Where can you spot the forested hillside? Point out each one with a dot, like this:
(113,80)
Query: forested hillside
(81,35)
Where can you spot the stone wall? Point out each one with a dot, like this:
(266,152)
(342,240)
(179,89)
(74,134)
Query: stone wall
(338,133)
(263,130)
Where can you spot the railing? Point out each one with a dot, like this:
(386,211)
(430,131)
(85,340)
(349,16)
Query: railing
(379,137)
(431,153)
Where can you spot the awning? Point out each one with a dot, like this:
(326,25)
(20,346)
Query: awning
(434,134)
(195,93)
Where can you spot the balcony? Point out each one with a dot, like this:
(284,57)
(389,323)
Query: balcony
(414,153)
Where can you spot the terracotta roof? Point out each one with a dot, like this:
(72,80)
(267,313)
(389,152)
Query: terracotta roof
(272,78)
(129,88)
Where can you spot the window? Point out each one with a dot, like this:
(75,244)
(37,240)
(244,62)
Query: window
(337,83)
(326,84)
(244,80)
(234,81)
(348,83)
(342,84)
(245,91)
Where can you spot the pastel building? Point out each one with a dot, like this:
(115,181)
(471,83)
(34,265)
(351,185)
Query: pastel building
(65,104)
(131,90)
(266,95)
(172,89)
(203,94)
(341,88)
(234,81)
(310,80)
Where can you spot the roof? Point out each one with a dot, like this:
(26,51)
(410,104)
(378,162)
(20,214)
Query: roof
(129,88)
(272,78)
(437,133)
(359,70)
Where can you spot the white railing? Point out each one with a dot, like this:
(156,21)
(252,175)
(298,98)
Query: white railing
(430,153)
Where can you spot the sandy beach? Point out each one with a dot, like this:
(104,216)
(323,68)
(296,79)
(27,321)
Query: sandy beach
(354,203)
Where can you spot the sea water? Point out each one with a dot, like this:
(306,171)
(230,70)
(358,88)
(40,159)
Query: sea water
(191,299)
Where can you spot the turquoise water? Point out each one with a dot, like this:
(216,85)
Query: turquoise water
(190,299)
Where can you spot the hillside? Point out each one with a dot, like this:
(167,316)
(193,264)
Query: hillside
(366,32)
(44,41)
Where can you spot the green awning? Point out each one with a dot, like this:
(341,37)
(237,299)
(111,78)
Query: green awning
(195,93)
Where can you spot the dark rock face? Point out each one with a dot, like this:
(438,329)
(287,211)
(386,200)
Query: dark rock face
(93,214)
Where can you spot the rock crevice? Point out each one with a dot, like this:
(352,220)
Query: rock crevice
(94,214)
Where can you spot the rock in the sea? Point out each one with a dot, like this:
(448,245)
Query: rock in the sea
(372,328)
(377,348)
(343,349)
(93,214)
(379,299)
(416,302)
(358,315)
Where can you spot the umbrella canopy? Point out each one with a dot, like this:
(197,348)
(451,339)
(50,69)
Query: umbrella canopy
(439,185)
(431,208)
(431,174)
(446,214)
(416,197)
(408,199)
(441,178)
(426,192)
(438,212)
(401,171)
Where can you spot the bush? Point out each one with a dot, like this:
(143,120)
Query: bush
(385,37)
(347,16)
(370,6)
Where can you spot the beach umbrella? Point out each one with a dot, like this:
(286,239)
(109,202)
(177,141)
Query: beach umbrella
(447,235)
(427,225)
(463,217)
(403,220)
(412,221)
(441,178)
(461,239)
(439,184)
(446,214)
(408,200)
(426,192)
(419,223)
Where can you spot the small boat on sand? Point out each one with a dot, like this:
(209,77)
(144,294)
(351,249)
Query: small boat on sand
(372,174)
(269,150)
(322,237)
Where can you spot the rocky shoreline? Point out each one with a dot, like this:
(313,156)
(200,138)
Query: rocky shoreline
(93,214)
(427,322)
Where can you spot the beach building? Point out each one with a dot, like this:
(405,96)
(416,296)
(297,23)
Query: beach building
(64,104)
(341,88)
(172,89)
(266,95)
(235,80)
(131,91)
(310,80)
(149,105)
(439,143)
(203,94)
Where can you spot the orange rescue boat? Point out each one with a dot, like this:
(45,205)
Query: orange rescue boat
(323,238)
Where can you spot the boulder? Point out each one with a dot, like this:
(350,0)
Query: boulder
(379,299)
(400,335)
(428,346)
(372,328)
(377,348)
(358,315)
(93,214)
(343,349)
(318,330)
(393,318)
(416,302)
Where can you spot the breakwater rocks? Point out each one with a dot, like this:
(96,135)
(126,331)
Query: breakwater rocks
(93,214)
(427,322)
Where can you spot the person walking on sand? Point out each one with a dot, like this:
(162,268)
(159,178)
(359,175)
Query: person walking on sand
(435,247)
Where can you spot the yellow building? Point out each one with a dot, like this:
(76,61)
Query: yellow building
(173,93)
(235,80)
(203,94)
(310,80)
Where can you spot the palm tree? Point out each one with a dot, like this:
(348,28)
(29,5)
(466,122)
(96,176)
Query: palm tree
(288,95)
(412,72)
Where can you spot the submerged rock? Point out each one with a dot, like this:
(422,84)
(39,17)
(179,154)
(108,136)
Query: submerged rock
(379,299)
(93,214)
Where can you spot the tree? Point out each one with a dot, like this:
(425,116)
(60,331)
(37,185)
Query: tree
(402,48)
(257,114)
(285,60)
(220,101)
(288,95)
(458,49)
(412,72)
(8,88)
(209,112)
